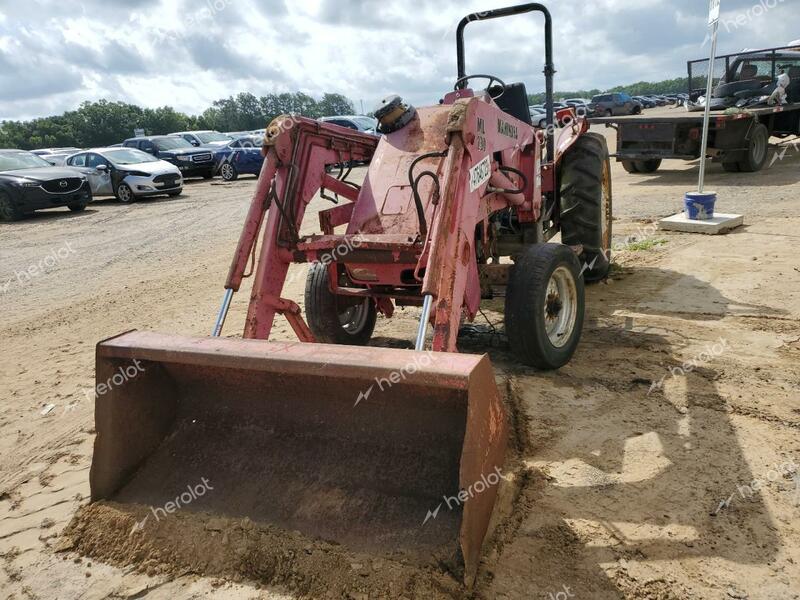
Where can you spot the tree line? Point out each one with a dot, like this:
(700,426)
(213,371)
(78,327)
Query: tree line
(642,88)
(103,122)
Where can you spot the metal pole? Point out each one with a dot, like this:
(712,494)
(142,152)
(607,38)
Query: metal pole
(707,113)
(423,323)
(223,313)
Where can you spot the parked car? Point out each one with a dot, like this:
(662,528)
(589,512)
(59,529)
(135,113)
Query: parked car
(581,106)
(538,117)
(239,157)
(127,173)
(55,156)
(192,162)
(29,183)
(658,100)
(205,138)
(235,135)
(357,122)
(645,101)
(614,104)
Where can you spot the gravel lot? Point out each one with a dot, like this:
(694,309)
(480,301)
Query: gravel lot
(635,490)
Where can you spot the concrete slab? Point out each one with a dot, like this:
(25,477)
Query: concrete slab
(721,223)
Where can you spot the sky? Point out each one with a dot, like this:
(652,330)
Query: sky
(55,54)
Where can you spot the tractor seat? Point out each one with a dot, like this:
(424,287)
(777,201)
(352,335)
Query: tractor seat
(514,101)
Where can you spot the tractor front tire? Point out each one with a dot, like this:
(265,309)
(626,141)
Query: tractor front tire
(586,203)
(337,319)
(545,306)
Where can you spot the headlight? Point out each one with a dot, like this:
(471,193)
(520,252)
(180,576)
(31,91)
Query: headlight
(30,184)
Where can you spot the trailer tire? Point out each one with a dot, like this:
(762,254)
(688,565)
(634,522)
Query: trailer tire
(586,203)
(337,319)
(648,166)
(731,167)
(630,166)
(757,150)
(544,306)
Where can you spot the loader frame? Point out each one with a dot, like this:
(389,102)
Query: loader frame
(429,267)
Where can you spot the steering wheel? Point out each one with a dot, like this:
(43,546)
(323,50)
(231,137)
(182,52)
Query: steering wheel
(491,79)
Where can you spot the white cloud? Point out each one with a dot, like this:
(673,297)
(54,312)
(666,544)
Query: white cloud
(186,53)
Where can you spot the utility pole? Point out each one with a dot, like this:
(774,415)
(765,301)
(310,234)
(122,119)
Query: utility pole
(713,21)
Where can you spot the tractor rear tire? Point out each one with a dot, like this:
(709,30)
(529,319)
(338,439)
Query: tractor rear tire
(337,319)
(545,306)
(586,203)
(757,150)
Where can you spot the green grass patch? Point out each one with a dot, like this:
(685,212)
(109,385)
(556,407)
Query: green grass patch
(641,245)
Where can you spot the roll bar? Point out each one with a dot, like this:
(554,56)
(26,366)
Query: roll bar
(549,68)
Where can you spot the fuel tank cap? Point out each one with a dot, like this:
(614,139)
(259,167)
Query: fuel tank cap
(393,114)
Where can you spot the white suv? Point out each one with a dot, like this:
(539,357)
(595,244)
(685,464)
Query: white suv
(204,138)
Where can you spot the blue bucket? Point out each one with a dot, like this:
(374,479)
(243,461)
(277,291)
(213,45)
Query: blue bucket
(700,207)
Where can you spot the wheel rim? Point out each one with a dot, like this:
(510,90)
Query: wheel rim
(560,307)
(227,172)
(6,210)
(124,193)
(353,319)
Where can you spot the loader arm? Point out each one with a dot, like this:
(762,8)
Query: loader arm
(297,150)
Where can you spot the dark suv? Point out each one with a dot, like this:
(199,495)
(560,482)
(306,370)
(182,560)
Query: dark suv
(29,183)
(192,161)
(614,105)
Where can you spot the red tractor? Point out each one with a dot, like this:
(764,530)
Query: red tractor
(459,204)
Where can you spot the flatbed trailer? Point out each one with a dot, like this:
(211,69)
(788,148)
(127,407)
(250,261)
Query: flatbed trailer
(739,141)
(737,138)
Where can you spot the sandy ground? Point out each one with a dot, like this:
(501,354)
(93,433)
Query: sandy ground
(661,463)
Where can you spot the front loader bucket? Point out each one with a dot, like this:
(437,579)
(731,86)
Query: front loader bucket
(381,450)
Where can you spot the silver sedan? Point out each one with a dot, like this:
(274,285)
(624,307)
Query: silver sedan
(127,173)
